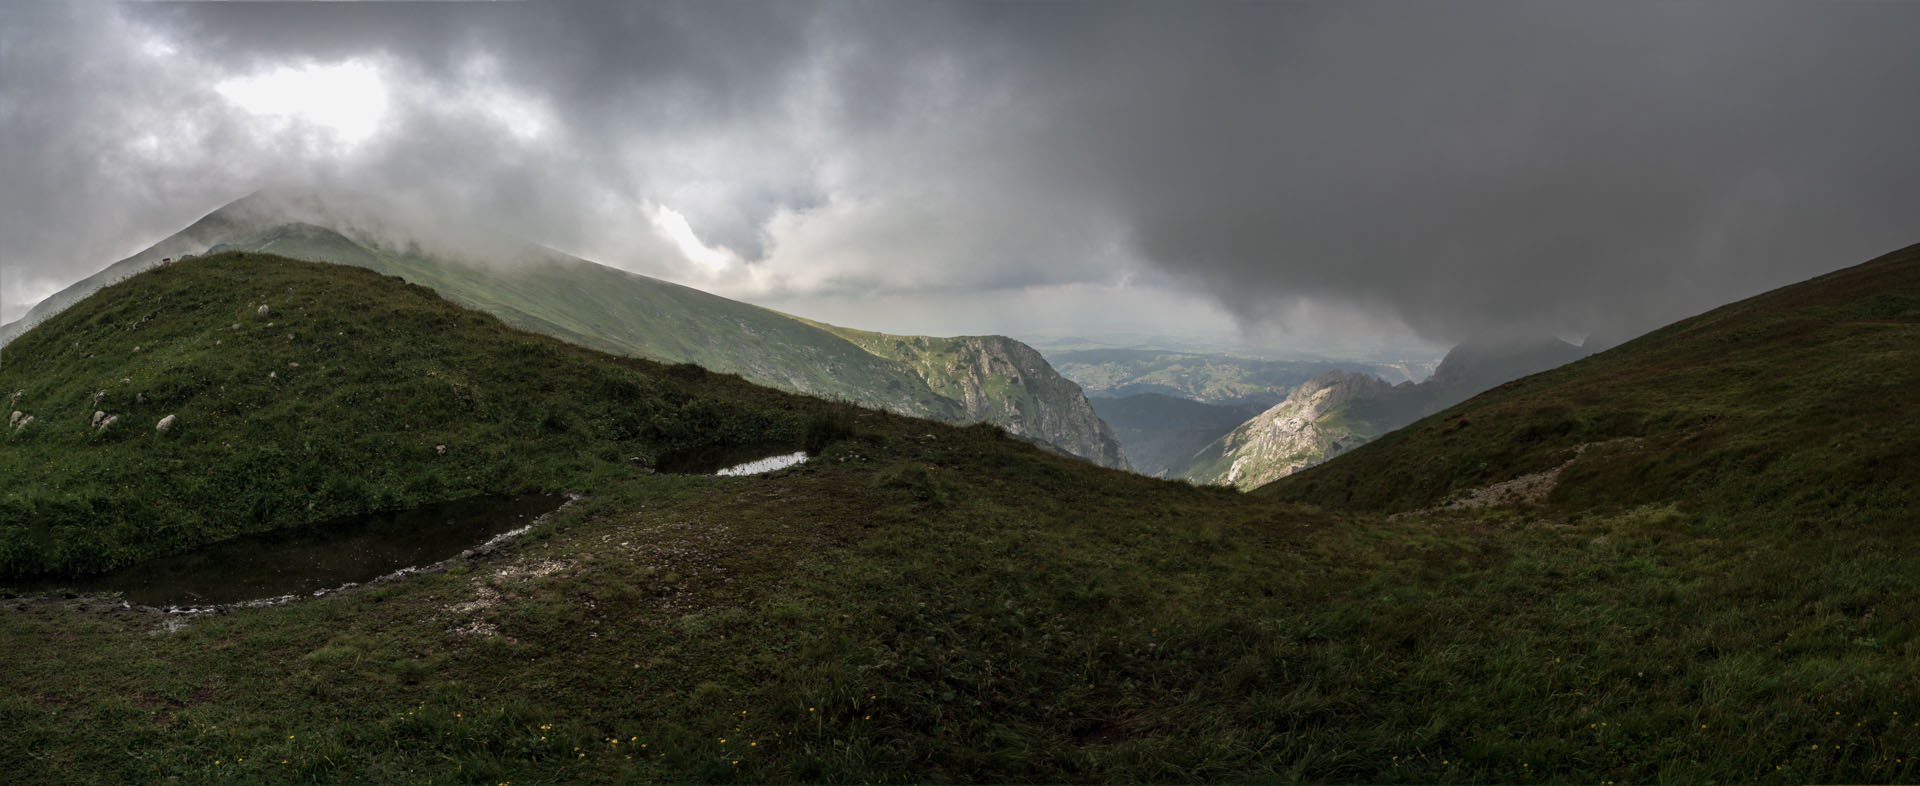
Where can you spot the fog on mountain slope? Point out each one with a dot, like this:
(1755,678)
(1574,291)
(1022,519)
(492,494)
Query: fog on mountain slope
(545,291)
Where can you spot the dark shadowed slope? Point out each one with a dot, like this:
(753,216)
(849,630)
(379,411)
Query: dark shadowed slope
(918,603)
(1161,433)
(1798,404)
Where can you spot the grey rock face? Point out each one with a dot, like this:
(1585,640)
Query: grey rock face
(1297,433)
(1007,383)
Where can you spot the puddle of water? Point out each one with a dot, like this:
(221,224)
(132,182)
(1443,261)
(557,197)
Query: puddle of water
(767,464)
(319,556)
(732,459)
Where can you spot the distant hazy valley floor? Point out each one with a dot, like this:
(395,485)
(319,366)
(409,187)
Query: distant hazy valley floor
(1709,576)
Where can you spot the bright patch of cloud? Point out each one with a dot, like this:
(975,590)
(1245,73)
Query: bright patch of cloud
(674,225)
(349,98)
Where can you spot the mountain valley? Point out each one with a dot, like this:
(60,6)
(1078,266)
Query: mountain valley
(1714,582)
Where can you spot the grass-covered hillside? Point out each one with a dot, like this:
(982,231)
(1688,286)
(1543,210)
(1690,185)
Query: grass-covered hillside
(544,291)
(1797,407)
(919,603)
(335,399)
(626,314)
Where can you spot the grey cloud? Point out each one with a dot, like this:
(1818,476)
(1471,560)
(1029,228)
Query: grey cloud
(1458,169)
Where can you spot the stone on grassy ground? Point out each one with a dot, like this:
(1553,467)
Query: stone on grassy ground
(164,424)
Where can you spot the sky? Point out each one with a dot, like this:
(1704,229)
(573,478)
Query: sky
(1308,176)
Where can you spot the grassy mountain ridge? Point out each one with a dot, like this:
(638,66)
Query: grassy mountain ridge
(921,602)
(624,313)
(545,291)
(345,369)
(1793,405)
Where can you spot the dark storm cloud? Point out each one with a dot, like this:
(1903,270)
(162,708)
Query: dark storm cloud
(1462,168)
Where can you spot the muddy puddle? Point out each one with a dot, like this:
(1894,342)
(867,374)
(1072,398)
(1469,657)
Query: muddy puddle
(318,556)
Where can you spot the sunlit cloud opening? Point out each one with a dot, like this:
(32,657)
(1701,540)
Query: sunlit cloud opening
(349,98)
(674,225)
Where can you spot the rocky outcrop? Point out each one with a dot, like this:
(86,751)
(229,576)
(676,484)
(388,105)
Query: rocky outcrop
(1310,426)
(1001,381)
(1005,382)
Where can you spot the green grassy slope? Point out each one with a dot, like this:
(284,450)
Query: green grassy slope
(1793,406)
(930,603)
(623,313)
(331,404)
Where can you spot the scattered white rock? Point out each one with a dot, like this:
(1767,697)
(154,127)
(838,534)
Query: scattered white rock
(440,450)
(102,420)
(139,398)
(767,464)
(263,310)
(292,364)
(17,394)
(98,397)
(273,375)
(164,424)
(13,420)
(23,422)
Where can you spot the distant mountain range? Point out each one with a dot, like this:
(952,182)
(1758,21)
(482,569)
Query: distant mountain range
(1161,433)
(1338,411)
(1211,378)
(989,378)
